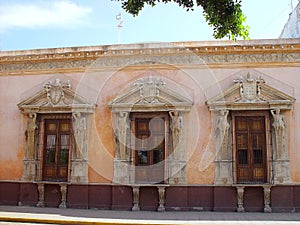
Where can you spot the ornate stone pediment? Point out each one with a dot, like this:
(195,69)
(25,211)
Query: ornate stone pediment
(56,97)
(250,94)
(147,95)
(150,94)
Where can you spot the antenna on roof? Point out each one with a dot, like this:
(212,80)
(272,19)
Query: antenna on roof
(119,18)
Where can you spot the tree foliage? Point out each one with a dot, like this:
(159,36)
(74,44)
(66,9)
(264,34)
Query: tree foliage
(225,16)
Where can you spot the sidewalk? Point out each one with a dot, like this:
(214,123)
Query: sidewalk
(89,216)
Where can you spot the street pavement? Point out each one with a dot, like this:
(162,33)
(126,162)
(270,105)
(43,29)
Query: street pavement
(31,215)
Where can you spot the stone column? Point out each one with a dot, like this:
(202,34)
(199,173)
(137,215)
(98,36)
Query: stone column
(136,198)
(162,198)
(267,199)
(223,151)
(240,199)
(79,162)
(41,190)
(63,191)
(177,157)
(281,162)
(29,162)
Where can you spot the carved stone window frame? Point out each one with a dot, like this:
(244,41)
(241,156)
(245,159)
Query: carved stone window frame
(250,94)
(55,100)
(147,95)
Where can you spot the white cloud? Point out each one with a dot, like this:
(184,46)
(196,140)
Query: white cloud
(58,13)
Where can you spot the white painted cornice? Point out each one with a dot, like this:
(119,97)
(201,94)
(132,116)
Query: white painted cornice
(282,51)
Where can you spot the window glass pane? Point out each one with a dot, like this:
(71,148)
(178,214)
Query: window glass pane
(142,141)
(51,141)
(50,155)
(142,158)
(242,157)
(257,156)
(64,156)
(51,148)
(256,141)
(64,148)
(242,141)
(64,127)
(51,126)
(157,156)
(64,141)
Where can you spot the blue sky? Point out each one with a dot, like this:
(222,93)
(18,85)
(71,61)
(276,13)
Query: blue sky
(32,24)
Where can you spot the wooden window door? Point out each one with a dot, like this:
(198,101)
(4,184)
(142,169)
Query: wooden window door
(250,135)
(57,146)
(149,148)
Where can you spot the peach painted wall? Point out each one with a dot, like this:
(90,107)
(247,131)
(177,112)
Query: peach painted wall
(100,87)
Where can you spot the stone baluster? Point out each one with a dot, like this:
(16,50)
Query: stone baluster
(161,195)
(240,199)
(41,190)
(136,198)
(63,191)
(267,199)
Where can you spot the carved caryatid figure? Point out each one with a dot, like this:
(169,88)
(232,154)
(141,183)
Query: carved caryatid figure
(30,134)
(279,126)
(121,130)
(176,128)
(79,133)
(222,127)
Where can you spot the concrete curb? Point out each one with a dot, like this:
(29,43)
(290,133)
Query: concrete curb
(95,221)
(84,221)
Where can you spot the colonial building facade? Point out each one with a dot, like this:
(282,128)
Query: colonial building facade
(164,126)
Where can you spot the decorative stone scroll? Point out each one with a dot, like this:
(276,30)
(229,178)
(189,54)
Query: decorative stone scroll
(250,94)
(56,98)
(149,94)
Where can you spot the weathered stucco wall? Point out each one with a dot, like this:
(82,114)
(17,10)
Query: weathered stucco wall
(100,85)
